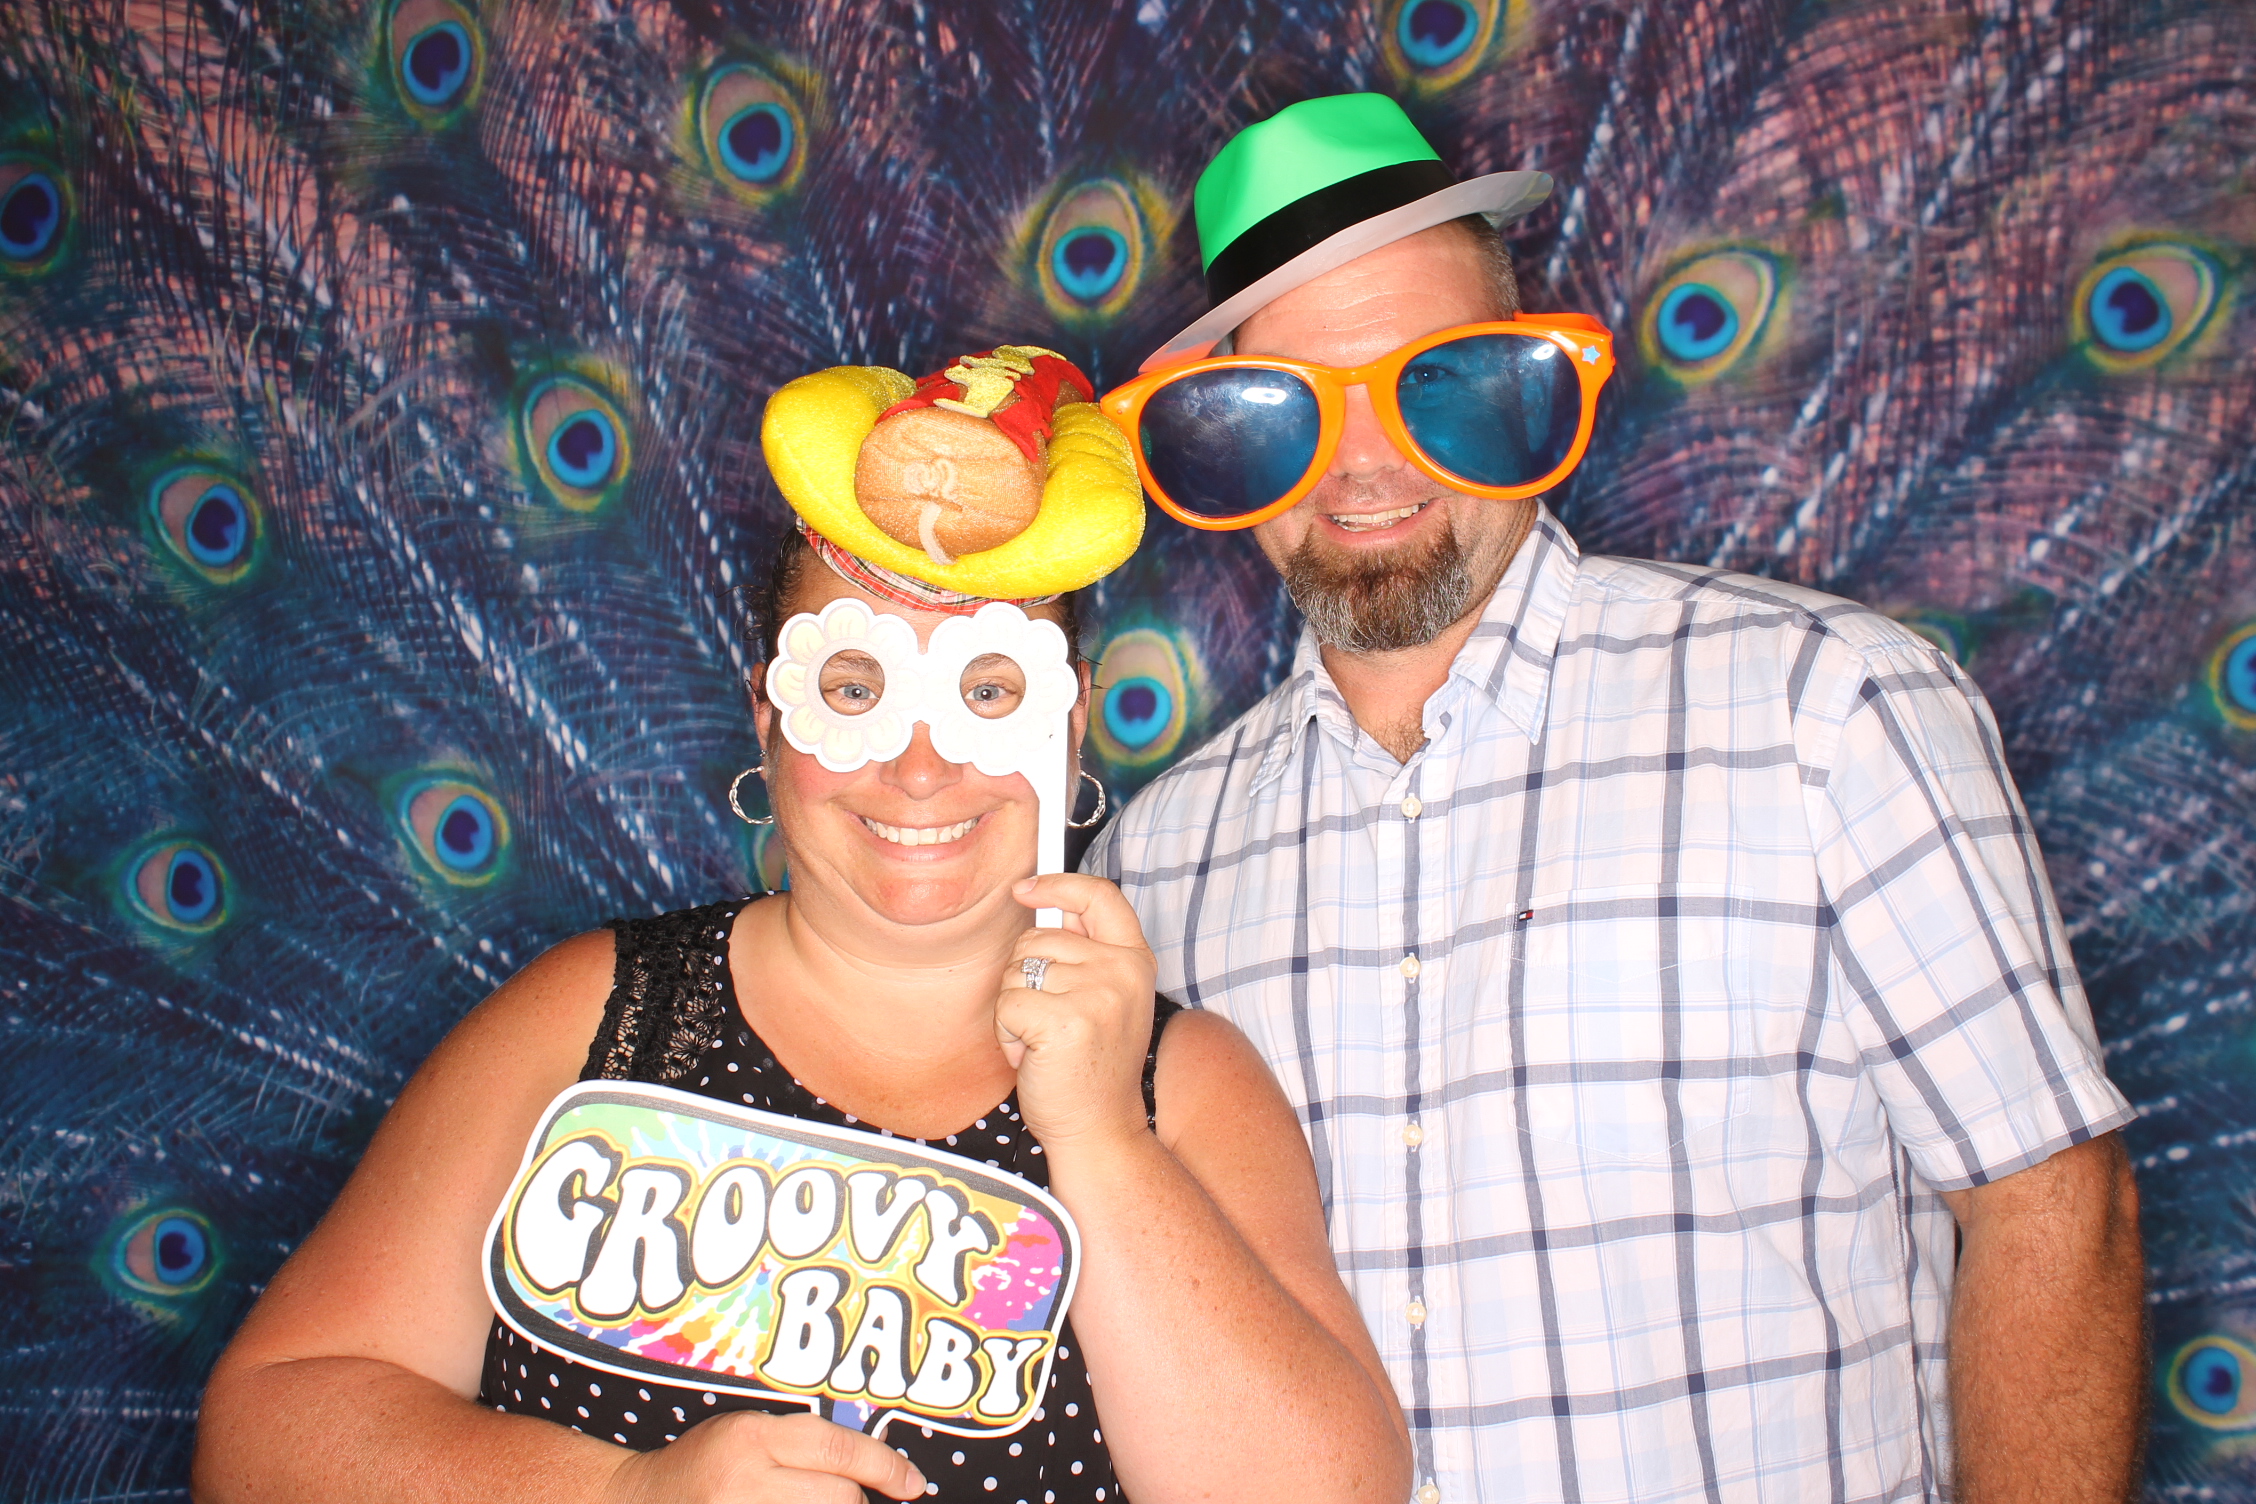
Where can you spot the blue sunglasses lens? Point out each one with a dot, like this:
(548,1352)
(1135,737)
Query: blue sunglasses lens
(1496,409)
(1227,443)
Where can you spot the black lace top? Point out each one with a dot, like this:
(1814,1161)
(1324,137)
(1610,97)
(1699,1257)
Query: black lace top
(672,1019)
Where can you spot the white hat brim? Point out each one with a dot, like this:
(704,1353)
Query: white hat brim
(1502,196)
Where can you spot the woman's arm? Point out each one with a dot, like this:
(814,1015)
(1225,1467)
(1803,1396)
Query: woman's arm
(356,1375)
(1226,1357)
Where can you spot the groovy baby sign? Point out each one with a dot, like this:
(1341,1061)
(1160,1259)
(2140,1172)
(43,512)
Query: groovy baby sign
(661,1235)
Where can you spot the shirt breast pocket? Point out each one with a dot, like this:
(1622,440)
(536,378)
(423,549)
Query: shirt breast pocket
(1627,1022)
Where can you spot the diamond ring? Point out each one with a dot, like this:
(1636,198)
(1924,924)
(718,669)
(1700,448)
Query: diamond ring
(1033,969)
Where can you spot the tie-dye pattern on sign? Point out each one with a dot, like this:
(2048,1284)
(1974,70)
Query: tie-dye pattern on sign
(664,1236)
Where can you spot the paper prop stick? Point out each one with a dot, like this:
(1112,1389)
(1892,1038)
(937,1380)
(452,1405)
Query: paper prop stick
(664,1236)
(928,686)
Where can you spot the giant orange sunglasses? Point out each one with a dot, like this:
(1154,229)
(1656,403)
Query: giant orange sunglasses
(1499,410)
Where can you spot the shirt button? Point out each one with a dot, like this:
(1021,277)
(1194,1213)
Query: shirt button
(1429,1495)
(1413,1135)
(1416,1311)
(1409,967)
(1411,808)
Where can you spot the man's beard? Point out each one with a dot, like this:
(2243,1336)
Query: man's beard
(1380,603)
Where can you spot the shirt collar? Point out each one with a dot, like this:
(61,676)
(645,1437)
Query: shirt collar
(1507,659)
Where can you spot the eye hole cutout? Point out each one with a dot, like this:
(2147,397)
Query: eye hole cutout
(1439,43)
(1144,698)
(2136,308)
(2209,1383)
(993,686)
(1091,252)
(34,212)
(753,131)
(850,682)
(457,828)
(1704,318)
(210,521)
(168,1252)
(576,440)
(2232,677)
(438,54)
(179,885)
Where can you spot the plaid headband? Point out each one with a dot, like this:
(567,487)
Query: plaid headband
(900,589)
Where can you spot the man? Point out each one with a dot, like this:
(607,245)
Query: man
(1659,959)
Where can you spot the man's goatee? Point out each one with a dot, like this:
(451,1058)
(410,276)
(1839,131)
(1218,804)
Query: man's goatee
(1380,603)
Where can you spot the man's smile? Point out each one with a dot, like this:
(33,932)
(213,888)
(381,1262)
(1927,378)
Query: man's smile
(1371,522)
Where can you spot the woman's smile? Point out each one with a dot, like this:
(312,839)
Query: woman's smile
(920,835)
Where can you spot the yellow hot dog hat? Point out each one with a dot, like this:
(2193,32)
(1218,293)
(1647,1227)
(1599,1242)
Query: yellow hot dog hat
(996,478)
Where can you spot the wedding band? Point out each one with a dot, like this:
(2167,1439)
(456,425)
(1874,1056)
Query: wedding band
(1033,969)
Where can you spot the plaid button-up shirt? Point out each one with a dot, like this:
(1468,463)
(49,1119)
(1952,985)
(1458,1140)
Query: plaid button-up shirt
(1636,1020)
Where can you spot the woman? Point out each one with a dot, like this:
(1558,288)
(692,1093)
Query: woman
(897,987)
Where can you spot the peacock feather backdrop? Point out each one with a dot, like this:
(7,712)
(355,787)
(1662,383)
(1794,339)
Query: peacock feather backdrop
(380,384)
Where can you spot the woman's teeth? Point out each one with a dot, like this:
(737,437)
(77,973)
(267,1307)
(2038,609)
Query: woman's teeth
(1376,520)
(937,835)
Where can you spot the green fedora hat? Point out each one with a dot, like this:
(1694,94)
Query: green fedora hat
(1314,186)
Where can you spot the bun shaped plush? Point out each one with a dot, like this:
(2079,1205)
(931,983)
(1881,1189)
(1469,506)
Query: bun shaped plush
(996,477)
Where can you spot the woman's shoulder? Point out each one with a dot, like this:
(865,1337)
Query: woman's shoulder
(704,928)
(669,991)
(643,980)
(1191,1031)
(1205,1068)
(515,1051)
(551,1007)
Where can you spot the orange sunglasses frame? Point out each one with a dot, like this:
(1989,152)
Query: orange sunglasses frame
(1573,333)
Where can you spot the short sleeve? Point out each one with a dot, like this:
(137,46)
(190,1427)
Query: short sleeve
(1946,942)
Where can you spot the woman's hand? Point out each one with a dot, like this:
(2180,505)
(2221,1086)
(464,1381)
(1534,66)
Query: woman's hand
(1079,1043)
(748,1457)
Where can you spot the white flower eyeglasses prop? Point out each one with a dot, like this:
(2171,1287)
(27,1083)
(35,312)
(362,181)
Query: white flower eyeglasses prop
(996,688)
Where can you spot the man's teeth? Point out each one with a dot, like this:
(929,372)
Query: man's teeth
(937,835)
(1377,520)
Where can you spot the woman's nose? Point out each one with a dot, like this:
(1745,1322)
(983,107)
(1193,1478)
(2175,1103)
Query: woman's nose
(1364,449)
(919,771)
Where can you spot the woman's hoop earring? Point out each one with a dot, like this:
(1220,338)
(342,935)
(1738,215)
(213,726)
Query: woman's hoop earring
(760,768)
(1099,812)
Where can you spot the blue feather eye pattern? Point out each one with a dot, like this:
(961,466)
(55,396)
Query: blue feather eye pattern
(209,520)
(34,213)
(575,442)
(2137,307)
(2232,677)
(1435,33)
(437,56)
(1708,314)
(2211,1381)
(1092,248)
(1436,44)
(167,1253)
(1952,633)
(178,885)
(1144,699)
(1696,322)
(754,132)
(457,829)
(1089,262)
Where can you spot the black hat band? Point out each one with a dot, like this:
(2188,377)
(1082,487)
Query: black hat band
(1308,222)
